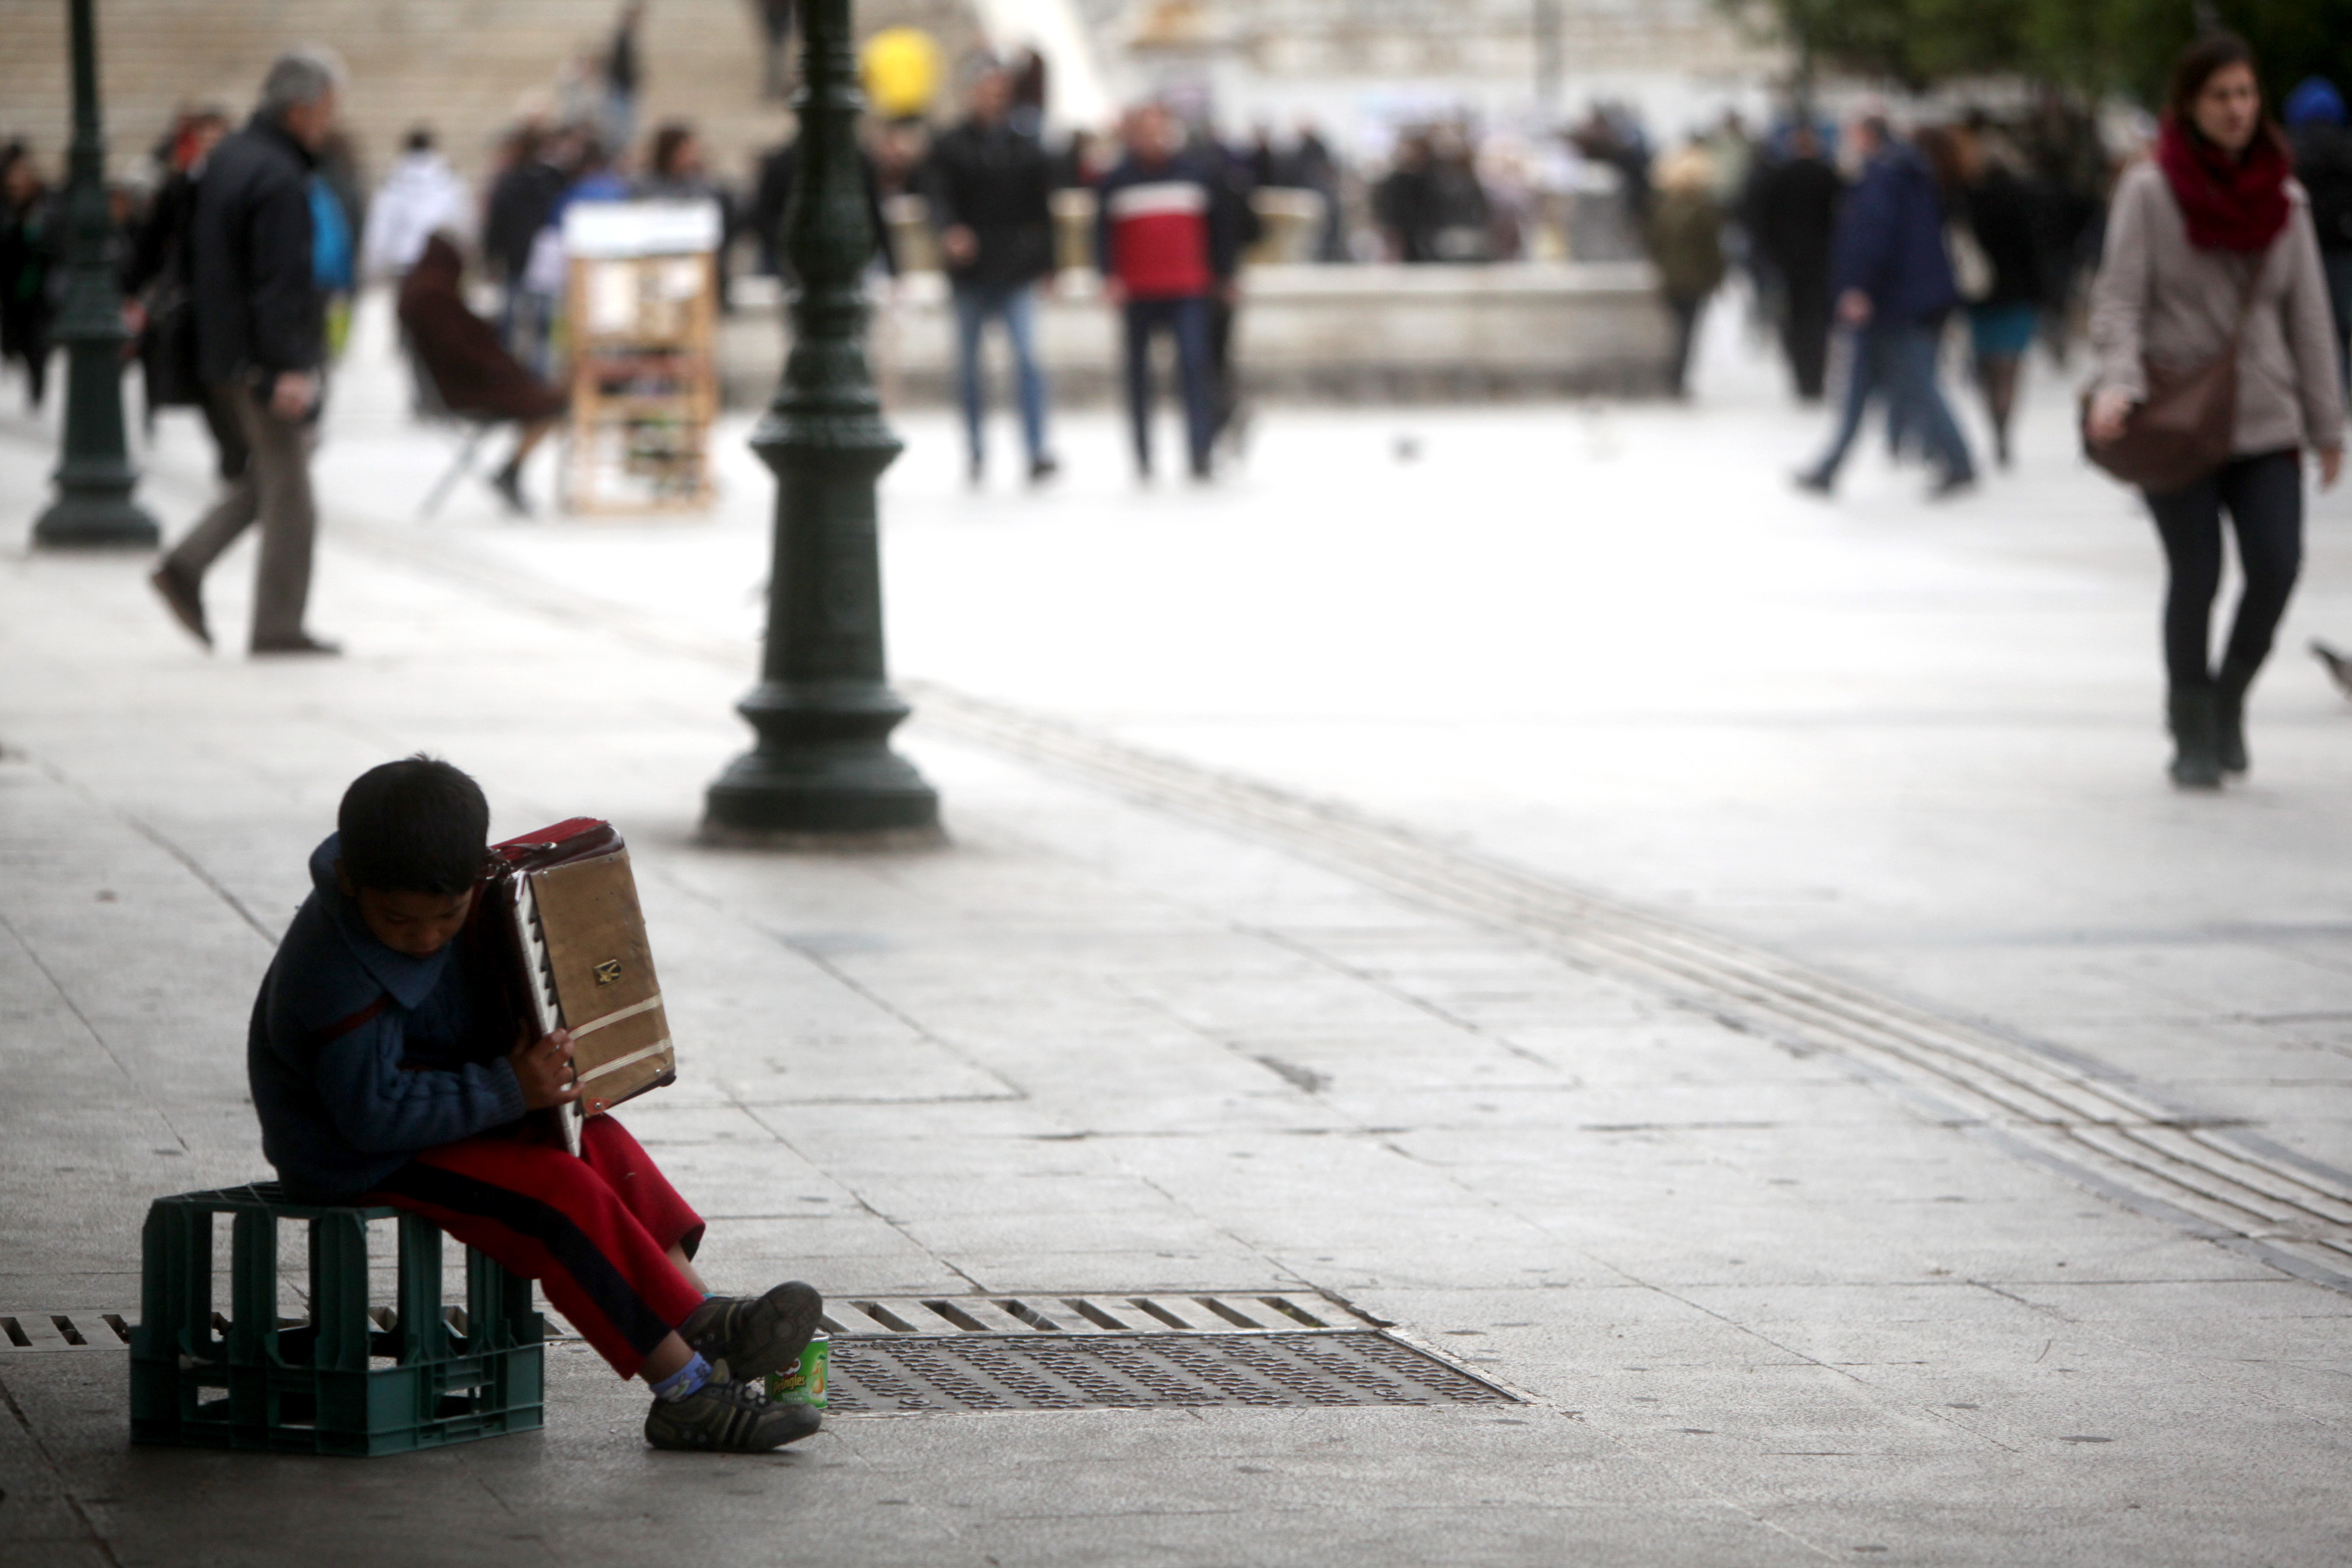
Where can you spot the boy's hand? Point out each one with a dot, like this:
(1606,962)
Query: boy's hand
(543,1067)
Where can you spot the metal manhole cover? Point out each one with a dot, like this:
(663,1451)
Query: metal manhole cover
(876,1375)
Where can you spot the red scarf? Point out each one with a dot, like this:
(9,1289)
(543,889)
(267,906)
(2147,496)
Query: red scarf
(2232,203)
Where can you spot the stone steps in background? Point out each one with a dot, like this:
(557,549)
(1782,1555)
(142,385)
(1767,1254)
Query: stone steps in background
(465,66)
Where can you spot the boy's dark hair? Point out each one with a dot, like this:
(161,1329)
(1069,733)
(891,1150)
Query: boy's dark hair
(416,825)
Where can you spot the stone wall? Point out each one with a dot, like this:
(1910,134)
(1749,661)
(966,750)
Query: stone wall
(1352,333)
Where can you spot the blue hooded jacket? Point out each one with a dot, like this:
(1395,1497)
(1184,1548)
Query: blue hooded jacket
(359,1055)
(1890,242)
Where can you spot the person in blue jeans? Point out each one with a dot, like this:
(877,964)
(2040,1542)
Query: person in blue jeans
(1168,245)
(987,185)
(1893,282)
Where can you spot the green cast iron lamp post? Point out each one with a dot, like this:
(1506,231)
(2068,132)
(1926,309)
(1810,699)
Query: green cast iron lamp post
(94,475)
(822,771)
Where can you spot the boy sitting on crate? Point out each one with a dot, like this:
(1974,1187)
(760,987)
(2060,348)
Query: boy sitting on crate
(381,1077)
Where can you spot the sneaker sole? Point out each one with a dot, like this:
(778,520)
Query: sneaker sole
(776,1330)
(803,1422)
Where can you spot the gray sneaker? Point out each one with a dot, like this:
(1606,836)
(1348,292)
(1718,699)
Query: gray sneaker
(755,1335)
(724,1416)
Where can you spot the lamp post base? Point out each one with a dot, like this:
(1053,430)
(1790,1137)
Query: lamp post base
(777,798)
(824,768)
(96,520)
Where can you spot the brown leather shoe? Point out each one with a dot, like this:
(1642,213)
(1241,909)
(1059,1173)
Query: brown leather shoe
(181,596)
(299,643)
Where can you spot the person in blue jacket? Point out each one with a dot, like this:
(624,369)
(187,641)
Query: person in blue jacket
(384,1071)
(1893,281)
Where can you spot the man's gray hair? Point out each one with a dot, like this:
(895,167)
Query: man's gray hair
(303,76)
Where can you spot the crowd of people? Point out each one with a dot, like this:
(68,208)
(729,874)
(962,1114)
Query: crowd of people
(1867,246)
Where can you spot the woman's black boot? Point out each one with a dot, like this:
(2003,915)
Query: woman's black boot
(2196,738)
(2229,716)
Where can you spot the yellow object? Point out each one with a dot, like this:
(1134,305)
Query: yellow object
(900,68)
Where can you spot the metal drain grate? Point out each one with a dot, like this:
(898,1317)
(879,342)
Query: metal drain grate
(79,1328)
(908,1374)
(1048,1313)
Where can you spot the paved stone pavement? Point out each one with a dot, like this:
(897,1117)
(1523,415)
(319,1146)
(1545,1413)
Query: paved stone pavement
(1727,968)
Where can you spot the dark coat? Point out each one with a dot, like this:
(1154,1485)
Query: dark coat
(2000,214)
(258,309)
(1796,209)
(359,1057)
(519,204)
(28,255)
(773,198)
(469,366)
(2323,161)
(1890,242)
(1685,235)
(994,181)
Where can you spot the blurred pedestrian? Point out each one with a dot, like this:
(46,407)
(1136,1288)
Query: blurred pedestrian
(1796,206)
(2211,251)
(516,214)
(2323,161)
(30,236)
(771,197)
(1998,207)
(1030,83)
(624,78)
(678,170)
(1893,286)
(1235,216)
(1163,250)
(261,346)
(472,373)
(158,283)
(1312,166)
(776,19)
(1686,234)
(338,213)
(1402,198)
(420,196)
(988,186)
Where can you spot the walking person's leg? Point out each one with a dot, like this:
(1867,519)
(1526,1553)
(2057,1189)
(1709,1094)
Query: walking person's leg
(973,306)
(1199,378)
(289,518)
(1997,379)
(1029,377)
(1685,330)
(2188,521)
(1862,380)
(1221,401)
(180,575)
(1915,349)
(1142,317)
(2265,498)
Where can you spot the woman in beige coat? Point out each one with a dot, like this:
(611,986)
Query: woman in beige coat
(2213,225)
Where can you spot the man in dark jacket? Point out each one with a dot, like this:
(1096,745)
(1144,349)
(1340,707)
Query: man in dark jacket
(260,346)
(1795,213)
(987,185)
(1893,286)
(1165,244)
(2323,161)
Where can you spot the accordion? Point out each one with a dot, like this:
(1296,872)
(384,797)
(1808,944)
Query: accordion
(565,943)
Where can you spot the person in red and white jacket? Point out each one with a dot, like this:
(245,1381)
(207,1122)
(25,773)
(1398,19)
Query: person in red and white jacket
(1167,244)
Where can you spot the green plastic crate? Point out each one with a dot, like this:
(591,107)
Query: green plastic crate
(340,1381)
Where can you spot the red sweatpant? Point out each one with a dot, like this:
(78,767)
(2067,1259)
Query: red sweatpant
(595,1231)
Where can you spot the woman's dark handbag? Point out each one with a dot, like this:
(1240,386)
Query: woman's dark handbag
(2187,427)
(167,349)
